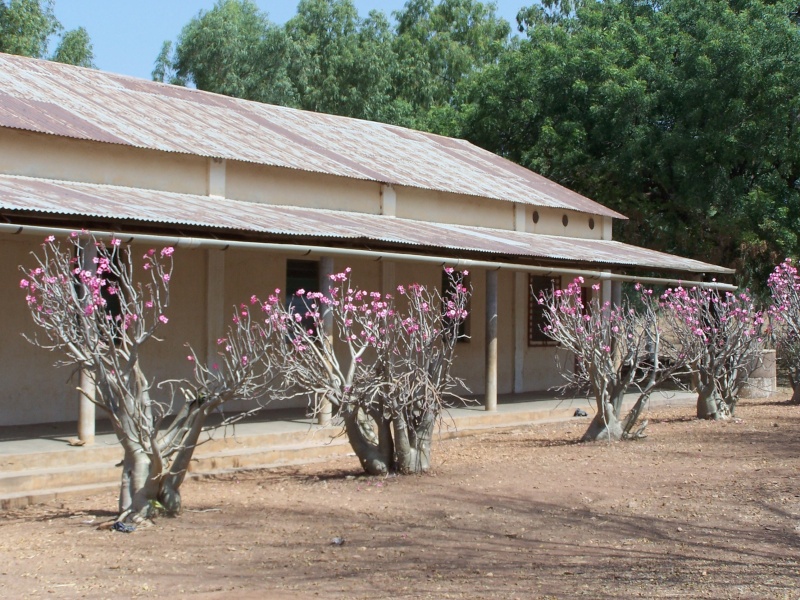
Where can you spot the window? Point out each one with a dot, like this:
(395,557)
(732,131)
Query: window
(536,321)
(463,326)
(301,275)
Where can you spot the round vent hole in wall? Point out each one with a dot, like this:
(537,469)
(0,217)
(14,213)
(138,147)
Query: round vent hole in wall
(591,223)
(536,216)
(565,220)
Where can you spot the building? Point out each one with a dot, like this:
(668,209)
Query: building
(256,197)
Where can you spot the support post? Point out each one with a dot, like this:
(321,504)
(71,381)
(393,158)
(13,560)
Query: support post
(490,402)
(215,302)
(522,294)
(324,408)
(86,406)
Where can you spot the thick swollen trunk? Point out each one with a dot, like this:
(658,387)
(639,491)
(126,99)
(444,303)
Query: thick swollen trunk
(606,425)
(139,487)
(150,480)
(374,449)
(413,443)
(710,405)
(795,395)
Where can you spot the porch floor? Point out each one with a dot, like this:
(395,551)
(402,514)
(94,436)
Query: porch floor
(37,463)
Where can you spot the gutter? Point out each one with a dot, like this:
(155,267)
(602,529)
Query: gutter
(320,251)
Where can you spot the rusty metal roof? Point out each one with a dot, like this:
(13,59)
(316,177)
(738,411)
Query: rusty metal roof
(121,204)
(57,99)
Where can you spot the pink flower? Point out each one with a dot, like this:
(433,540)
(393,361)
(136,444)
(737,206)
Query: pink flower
(165,277)
(50,239)
(163,319)
(23,283)
(115,241)
(190,358)
(149,304)
(168,251)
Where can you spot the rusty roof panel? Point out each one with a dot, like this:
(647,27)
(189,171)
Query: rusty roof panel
(58,99)
(76,200)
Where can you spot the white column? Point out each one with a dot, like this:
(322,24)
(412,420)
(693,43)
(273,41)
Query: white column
(86,406)
(490,402)
(324,409)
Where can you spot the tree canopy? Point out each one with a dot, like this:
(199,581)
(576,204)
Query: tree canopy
(27,28)
(328,58)
(681,114)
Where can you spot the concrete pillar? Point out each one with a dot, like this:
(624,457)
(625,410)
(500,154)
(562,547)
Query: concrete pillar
(490,402)
(762,381)
(324,408)
(86,406)
(215,302)
(616,293)
(521,298)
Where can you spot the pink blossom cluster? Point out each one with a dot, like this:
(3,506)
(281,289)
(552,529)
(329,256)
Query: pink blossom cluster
(711,316)
(60,285)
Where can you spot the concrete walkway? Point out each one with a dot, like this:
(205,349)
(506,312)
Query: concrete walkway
(37,463)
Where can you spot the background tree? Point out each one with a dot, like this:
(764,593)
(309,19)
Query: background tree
(344,62)
(75,48)
(439,46)
(233,49)
(28,26)
(101,313)
(682,114)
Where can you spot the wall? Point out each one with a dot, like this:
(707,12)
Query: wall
(39,155)
(51,157)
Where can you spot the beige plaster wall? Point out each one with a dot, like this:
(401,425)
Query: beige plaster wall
(272,185)
(550,222)
(32,389)
(51,157)
(441,207)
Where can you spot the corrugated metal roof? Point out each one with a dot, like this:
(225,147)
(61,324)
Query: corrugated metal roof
(72,199)
(62,100)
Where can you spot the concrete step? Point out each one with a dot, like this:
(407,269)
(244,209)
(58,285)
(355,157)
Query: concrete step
(47,476)
(52,495)
(56,477)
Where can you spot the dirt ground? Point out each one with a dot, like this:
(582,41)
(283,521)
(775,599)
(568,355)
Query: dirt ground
(696,510)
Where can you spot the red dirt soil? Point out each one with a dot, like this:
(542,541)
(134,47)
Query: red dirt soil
(695,510)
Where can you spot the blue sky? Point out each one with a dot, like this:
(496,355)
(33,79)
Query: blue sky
(127,34)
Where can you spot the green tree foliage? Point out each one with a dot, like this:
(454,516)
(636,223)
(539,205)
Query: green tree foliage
(233,49)
(438,46)
(329,59)
(344,62)
(682,114)
(28,26)
(75,48)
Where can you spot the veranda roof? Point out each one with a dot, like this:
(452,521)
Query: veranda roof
(26,198)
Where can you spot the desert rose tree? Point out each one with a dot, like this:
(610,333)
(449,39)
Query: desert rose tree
(784,312)
(616,350)
(94,306)
(722,333)
(386,369)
